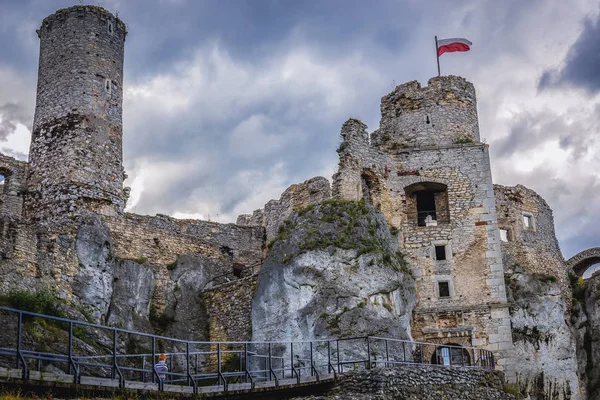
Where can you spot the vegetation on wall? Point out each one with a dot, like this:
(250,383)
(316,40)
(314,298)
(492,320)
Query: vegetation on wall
(340,224)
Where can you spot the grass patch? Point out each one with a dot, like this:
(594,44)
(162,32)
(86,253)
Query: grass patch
(513,389)
(544,278)
(39,302)
(462,139)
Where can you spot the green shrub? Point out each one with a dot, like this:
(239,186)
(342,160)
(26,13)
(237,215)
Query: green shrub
(545,278)
(40,302)
(464,139)
(513,389)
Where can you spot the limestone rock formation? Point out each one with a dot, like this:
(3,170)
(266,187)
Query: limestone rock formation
(333,271)
(544,348)
(586,319)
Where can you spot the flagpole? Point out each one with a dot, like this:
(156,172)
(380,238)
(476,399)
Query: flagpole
(436,55)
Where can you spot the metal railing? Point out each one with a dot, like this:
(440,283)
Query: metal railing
(90,350)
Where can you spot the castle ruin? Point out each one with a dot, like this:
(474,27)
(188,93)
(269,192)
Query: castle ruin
(472,246)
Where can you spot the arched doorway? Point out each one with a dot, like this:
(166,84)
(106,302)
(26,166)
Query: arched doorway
(451,354)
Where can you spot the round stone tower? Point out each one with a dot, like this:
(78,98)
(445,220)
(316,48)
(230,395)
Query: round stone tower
(443,113)
(76,146)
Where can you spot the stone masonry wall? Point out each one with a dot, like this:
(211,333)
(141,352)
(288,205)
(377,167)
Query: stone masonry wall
(418,383)
(76,146)
(229,307)
(162,240)
(312,191)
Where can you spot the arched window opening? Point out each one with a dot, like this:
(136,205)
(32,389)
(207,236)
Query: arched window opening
(452,354)
(427,203)
(371,188)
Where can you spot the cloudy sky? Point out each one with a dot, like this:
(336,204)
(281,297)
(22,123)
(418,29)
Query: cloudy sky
(228,102)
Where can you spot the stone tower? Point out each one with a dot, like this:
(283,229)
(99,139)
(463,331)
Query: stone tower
(427,171)
(76,146)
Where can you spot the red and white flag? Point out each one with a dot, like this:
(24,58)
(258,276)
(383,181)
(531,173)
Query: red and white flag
(453,44)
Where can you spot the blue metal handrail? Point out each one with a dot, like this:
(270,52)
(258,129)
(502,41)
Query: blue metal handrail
(266,361)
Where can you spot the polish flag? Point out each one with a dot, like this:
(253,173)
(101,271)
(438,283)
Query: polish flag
(453,44)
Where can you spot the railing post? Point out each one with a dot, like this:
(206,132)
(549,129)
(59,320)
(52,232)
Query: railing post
(338,356)
(70,347)
(153,359)
(187,361)
(246,363)
(114,355)
(387,354)
(311,359)
(421,353)
(270,365)
(403,350)
(292,358)
(368,353)
(19,329)
(328,357)
(462,357)
(143,373)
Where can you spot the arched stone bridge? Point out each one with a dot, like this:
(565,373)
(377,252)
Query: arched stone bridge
(580,262)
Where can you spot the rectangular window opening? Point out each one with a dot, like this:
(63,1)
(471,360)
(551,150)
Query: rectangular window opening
(440,253)
(426,208)
(504,235)
(444,289)
(528,222)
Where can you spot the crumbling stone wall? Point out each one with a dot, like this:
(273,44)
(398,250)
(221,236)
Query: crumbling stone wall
(536,247)
(76,145)
(229,309)
(540,296)
(428,140)
(417,382)
(440,114)
(312,191)
(11,204)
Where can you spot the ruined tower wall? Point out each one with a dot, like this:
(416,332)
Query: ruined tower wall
(11,192)
(442,113)
(76,146)
(14,238)
(535,247)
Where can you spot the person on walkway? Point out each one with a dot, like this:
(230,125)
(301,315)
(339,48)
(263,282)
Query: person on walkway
(161,368)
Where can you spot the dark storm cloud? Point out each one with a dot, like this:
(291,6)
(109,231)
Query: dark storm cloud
(582,63)
(532,129)
(10,115)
